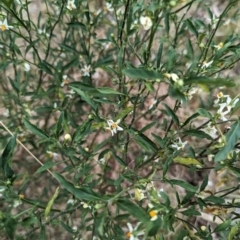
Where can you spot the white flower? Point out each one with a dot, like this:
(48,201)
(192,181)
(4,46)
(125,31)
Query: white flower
(191,92)
(43,32)
(55,105)
(6,113)
(16,203)
(211,130)
(109,7)
(71,201)
(133,233)
(146,22)
(206,64)
(173,76)
(86,70)
(138,194)
(179,145)
(4,25)
(219,46)
(67,137)
(85,205)
(74,228)
(64,81)
(71,5)
(113,126)
(152,102)
(102,161)
(52,154)
(27,67)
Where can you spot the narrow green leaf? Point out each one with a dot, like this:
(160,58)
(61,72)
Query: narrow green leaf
(223,226)
(119,159)
(171,59)
(59,125)
(172,114)
(142,73)
(204,183)
(214,199)
(34,129)
(190,50)
(197,133)
(83,193)
(7,157)
(232,138)
(45,167)
(148,126)
(46,67)
(195,115)
(106,90)
(50,203)
(187,161)
(233,232)
(159,55)
(191,212)
(8,3)
(124,113)
(67,228)
(214,82)
(184,185)
(191,27)
(204,113)
(133,209)
(72,63)
(85,97)
(77,25)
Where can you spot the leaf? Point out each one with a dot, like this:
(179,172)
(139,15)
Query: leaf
(46,67)
(8,3)
(119,159)
(133,209)
(72,63)
(214,199)
(195,115)
(59,124)
(187,161)
(142,73)
(223,226)
(46,166)
(171,59)
(159,54)
(191,212)
(204,183)
(172,114)
(232,138)
(233,232)
(50,203)
(144,141)
(83,193)
(77,25)
(204,113)
(197,133)
(106,90)
(124,113)
(7,157)
(34,129)
(85,97)
(184,185)
(148,126)
(214,82)
(191,27)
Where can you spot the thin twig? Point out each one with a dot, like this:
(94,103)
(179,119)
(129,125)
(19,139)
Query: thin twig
(20,143)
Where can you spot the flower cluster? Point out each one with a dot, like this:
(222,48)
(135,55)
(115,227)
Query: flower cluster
(225,104)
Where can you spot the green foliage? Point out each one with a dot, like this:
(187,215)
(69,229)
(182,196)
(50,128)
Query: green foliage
(119,119)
